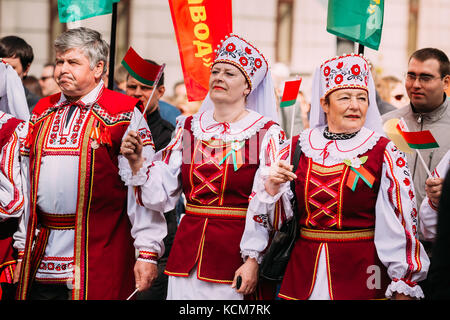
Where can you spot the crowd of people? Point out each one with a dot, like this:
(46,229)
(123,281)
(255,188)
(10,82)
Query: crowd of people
(100,200)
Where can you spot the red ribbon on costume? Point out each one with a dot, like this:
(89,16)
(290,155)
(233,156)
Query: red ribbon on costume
(226,127)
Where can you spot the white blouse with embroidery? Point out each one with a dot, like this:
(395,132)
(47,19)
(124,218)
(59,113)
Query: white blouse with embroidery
(428,214)
(13,172)
(160,178)
(392,231)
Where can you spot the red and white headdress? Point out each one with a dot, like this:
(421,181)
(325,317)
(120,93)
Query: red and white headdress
(349,71)
(251,62)
(344,72)
(246,57)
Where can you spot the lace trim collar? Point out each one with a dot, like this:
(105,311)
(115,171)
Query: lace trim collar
(205,127)
(337,136)
(322,150)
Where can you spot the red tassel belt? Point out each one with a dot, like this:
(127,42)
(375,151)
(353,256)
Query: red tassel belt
(337,235)
(57,221)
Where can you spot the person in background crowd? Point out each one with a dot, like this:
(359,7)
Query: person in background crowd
(120,78)
(47,80)
(19,54)
(90,226)
(180,100)
(14,115)
(356,239)
(32,85)
(161,133)
(427,78)
(392,91)
(213,158)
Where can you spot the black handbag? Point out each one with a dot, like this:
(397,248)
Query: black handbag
(277,255)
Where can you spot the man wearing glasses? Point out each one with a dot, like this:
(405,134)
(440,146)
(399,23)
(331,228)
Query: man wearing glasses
(47,81)
(427,79)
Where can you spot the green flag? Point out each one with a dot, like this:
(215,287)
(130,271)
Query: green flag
(74,10)
(360,21)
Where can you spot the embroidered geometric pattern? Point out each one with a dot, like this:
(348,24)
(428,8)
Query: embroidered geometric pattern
(204,181)
(323,195)
(110,119)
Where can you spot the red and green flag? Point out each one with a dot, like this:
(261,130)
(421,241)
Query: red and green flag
(290,93)
(143,71)
(74,10)
(417,139)
(357,20)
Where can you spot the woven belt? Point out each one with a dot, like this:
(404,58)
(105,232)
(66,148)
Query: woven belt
(213,211)
(339,236)
(57,221)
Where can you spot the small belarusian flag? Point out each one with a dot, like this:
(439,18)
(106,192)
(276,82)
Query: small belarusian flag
(74,10)
(290,93)
(417,139)
(143,71)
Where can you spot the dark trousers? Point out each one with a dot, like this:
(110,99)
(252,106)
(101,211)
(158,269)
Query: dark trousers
(41,291)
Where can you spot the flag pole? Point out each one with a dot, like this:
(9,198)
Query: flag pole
(155,86)
(112,47)
(360,49)
(292,131)
(134,292)
(423,162)
(292,128)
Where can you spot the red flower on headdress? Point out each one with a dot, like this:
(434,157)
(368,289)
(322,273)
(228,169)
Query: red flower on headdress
(258,63)
(339,78)
(356,69)
(230,47)
(248,50)
(340,65)
(243,61)
(326,71)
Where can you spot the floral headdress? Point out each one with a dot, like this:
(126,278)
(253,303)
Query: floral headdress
(243,55)
(349,71)
(249,60)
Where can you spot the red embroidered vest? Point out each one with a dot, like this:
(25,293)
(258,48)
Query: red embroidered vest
(340,221)
(217,199)
(104,254)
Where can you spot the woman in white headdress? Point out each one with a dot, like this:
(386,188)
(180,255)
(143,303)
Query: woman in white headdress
(356,203)
(213,158)
(14,115)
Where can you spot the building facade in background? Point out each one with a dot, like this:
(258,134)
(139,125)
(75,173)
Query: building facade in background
(288,31)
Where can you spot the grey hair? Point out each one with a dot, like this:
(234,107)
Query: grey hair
(89,41)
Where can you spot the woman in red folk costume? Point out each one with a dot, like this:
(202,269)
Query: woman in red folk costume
(356,203)
(14,115)
(213,159)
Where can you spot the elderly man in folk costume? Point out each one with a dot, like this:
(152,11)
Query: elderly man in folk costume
(86,217)
(14,115)
(356,204)
(213,159)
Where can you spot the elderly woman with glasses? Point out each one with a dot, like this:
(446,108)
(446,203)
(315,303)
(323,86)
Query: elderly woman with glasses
(356,207)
